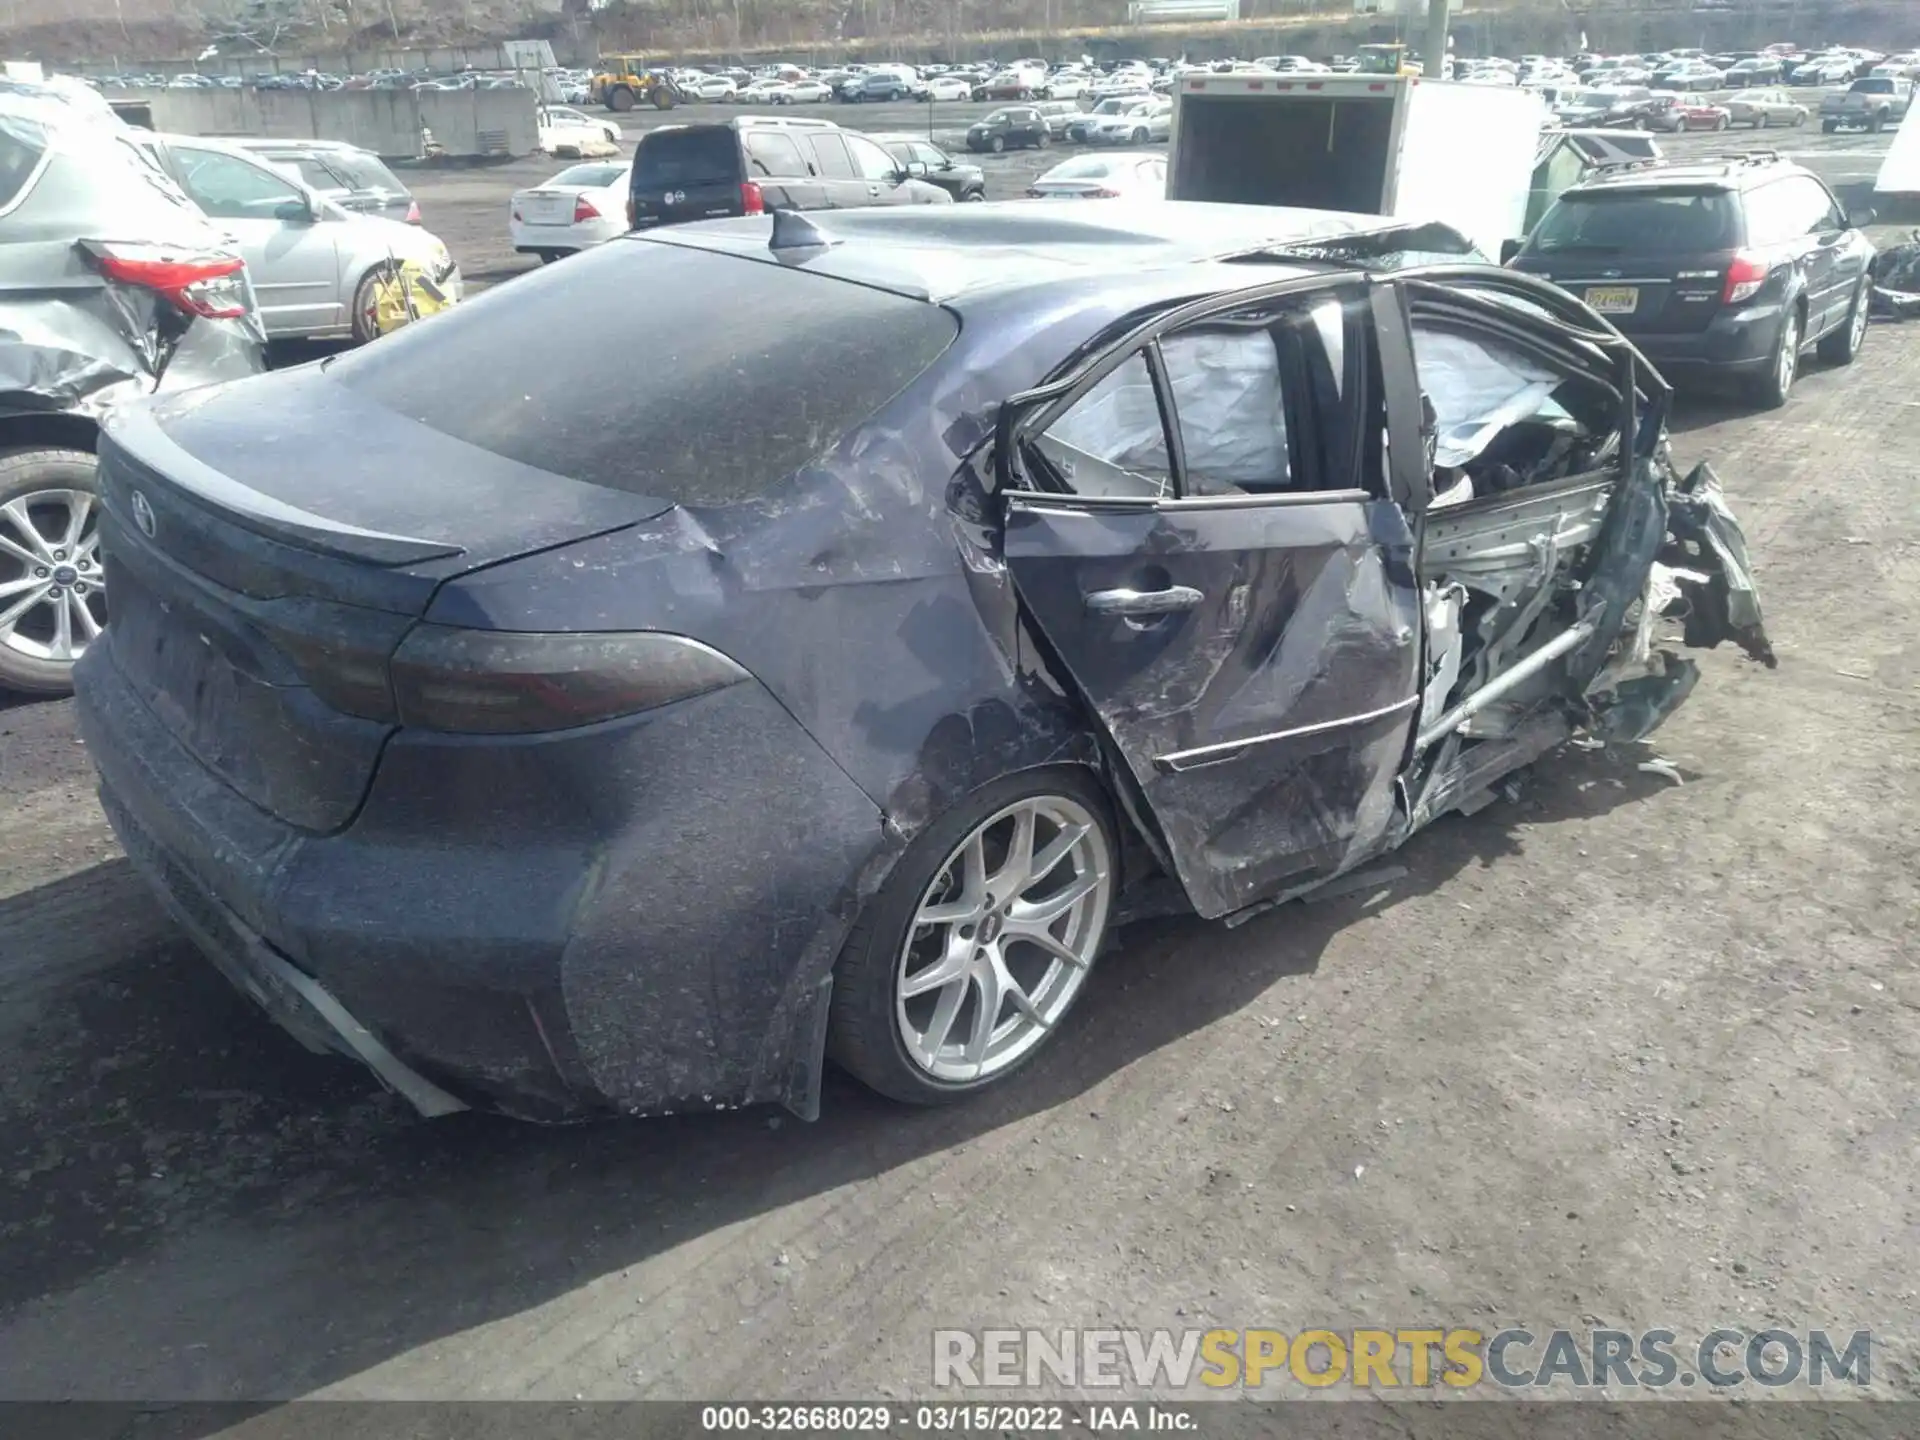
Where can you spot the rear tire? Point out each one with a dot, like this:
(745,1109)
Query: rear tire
(1843,345)
(44,470)
(1046,139)
(1139,136)
(868,1015)
(1827,127)
(998,145)
(660,97)
(620,98)
(1770,389)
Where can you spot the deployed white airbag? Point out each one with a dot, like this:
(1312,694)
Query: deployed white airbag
(1478,388)
(1226,388)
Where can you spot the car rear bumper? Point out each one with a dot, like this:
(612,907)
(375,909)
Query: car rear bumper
(1735,341)
(638,917)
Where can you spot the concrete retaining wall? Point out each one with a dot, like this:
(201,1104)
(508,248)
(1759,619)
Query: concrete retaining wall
(387,122)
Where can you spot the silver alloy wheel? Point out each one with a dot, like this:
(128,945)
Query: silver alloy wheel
(53,594)
(1003,937)
(1861,305)
(1789,357)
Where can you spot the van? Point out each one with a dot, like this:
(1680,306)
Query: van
(754,164)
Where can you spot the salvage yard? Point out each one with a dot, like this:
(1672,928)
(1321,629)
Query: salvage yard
(1635,1046)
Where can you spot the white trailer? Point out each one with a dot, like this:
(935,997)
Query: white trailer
(1401,146)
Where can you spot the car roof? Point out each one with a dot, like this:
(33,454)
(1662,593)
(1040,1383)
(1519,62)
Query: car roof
(1734,172)
(955,253)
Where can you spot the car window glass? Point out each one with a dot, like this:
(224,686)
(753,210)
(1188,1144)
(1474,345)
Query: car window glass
(22,143)
(508,376)
(697,155)
(316,174)
(368,172)
(1817,207)
(773,154)
(1111,441)
(869,159)
(1775,215)
(1644,222)
(929,156)
(831,151)
(229,188)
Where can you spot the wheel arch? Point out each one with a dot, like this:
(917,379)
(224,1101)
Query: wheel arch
(56,429)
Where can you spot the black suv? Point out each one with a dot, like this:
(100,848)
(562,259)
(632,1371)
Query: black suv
(1732,266)
(754,164)
(925,160)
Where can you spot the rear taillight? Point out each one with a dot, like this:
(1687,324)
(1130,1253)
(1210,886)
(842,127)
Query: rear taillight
(210,286)
(413,212)
(516,213)
(583,210)
(631,216)
(487,682)
(751,199)
(1745,276)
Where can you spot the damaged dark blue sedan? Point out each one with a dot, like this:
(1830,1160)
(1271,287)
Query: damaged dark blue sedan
(831,681)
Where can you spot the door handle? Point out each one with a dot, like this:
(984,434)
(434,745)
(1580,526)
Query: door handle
(1144,602)
(873,189)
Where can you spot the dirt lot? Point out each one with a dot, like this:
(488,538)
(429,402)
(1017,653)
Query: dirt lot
(1623,1051)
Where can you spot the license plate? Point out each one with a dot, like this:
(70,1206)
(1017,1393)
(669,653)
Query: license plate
(549,210)
(1614,299)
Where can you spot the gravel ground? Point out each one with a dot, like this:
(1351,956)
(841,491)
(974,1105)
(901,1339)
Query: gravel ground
(1623,1051)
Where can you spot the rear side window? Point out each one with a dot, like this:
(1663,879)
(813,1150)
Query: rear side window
(312,171)
(771,153)
(22,143)
(834,159)
(727,405)
(1643,222)
(699,155)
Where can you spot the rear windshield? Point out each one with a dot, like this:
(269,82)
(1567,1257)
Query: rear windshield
(726,405)
(698,155)
(589,175)
(367,172)
(1645,222)
(1872,86)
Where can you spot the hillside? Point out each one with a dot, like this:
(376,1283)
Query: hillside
(128,32)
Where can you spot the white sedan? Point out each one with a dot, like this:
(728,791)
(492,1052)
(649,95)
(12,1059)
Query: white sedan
(804,92)
(1136,125)
(767,91)
(562,115)
(950,87)
(1127,176)
(582,206)
(1066,87)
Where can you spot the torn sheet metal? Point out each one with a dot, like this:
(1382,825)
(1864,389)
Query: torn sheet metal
(72,338)
(1727,606)
(1896,277)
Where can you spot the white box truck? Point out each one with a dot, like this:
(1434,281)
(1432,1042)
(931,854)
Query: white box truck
(1402,146)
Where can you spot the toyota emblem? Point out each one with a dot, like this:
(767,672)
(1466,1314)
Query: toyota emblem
(143,514)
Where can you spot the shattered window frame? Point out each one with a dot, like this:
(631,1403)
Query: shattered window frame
(1035,411)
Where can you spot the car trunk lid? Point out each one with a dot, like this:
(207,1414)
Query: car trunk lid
(262,574)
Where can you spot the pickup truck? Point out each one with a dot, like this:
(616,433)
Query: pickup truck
(1872,103)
